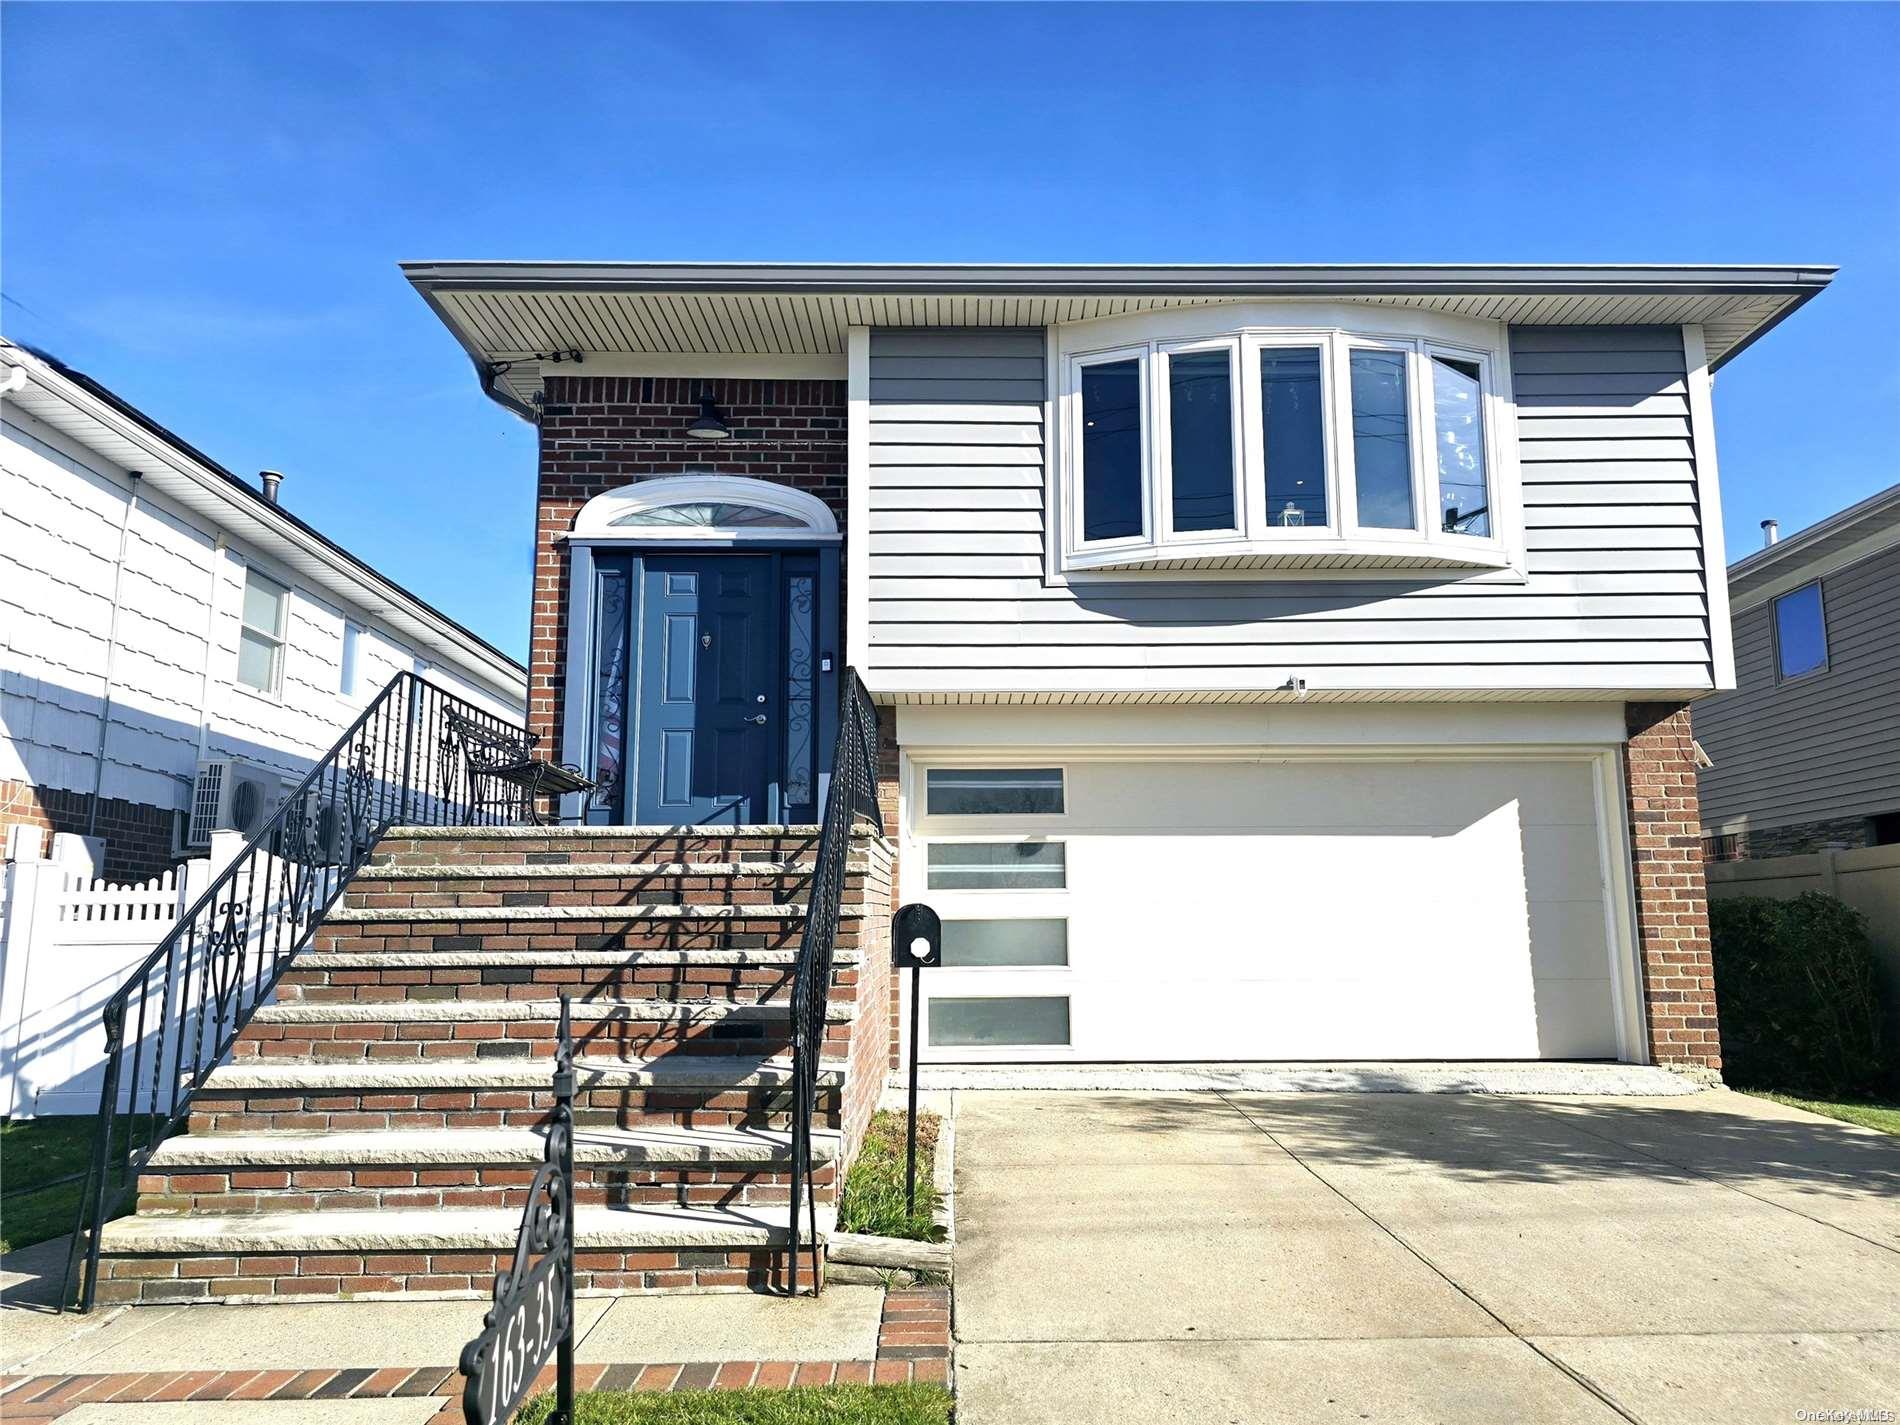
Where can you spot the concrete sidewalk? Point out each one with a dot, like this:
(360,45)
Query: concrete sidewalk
(1232,1257)
(392,1363)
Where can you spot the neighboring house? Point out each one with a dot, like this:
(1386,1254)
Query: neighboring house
(1805,750)
(1280,662)
(159,615)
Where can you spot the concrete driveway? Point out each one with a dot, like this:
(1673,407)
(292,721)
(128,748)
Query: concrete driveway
(1219,1257)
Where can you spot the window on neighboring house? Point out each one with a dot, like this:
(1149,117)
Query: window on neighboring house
(347,677)
(261,636)
(1351,444)
(1884,829)
(993,791)
(1800,632)
(1111,450)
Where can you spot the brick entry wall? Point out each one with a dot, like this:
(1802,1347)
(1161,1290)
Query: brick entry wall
(1672,909)
(601,432)
(138,836)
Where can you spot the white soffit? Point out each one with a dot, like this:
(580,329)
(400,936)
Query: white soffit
(506,313)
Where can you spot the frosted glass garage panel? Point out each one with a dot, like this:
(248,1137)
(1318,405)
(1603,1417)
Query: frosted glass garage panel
(993,791)
(999,1023)
(997,866)
(969,944)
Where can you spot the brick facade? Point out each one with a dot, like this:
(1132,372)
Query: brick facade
(138,836)
(1672,913)
(601,432)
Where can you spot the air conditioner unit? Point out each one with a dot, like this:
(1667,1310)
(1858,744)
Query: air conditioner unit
(230,795)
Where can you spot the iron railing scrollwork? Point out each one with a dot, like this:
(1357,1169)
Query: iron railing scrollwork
(176,1017)
(852,794)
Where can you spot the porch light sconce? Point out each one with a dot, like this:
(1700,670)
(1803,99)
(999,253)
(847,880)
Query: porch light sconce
(709,426)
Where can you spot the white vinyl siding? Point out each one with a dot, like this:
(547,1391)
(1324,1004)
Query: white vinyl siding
(963,606)
(61,506)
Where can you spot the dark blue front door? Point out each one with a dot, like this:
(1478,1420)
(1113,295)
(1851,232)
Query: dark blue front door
(707,690)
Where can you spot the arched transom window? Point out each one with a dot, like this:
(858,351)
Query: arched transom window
(717,507)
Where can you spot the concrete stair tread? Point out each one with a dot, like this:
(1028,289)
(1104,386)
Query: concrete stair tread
(486,1011)
(577,870)
(449,1229)
(315,958)
(666,1144)
(598,833)
(457,914)
(447,1075)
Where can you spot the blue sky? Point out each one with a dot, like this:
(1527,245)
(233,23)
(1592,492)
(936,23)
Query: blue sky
(204,205)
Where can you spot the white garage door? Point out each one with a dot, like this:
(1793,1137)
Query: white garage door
(1294,910)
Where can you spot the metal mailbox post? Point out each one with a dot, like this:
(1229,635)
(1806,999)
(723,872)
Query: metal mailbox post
(917,941)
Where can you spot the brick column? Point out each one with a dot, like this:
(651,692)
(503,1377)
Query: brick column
(1672,909)
(893,828)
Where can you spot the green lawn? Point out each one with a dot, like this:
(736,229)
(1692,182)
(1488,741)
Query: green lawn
(41,1163)
(873,1200)
(802,1405)
(1884,1116)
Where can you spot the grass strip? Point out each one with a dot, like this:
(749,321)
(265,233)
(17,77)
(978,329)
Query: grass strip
(799,1405)
(873,1200)
(1865,1113)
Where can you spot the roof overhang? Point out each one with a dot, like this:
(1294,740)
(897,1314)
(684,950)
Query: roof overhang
(82,410)
(1857,532)
(512,317)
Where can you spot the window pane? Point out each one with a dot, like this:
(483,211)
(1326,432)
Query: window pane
(1293,436)
(1005,942)
(1382,440)
(1201,439)
(997,866)
(1800,632)
(976,1023)
(610,692)
(993,791)
(1111,450)
(263,603)
(1464,505)
(257,661)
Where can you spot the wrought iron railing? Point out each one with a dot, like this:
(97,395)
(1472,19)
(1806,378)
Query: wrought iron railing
(852,793)
(178,1014)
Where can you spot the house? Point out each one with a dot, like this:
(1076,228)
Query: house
(1805,749)
(1282,662)
(161,617)
(1260,663)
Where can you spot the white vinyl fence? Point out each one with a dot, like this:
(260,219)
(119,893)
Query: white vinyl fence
(67,941)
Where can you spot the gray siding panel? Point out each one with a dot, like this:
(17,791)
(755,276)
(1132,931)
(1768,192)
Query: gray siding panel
(1820,747)
(960,606)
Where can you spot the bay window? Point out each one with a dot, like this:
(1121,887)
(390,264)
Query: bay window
(1296,446)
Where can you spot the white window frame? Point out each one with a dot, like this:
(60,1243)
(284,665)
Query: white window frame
(1140,356)
(279,637)
(1161,517)
(1254,460)
(1340,548)
(1489,404)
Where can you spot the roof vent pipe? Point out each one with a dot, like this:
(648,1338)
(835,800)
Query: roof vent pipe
(272,479)
(1770,533)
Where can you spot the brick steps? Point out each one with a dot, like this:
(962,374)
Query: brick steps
(433,1253)
(387,975)
(446,1168)
(375,1130)
(509,1028)
(301,1095)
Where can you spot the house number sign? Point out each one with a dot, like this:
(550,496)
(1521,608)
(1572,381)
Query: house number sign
(533,1315)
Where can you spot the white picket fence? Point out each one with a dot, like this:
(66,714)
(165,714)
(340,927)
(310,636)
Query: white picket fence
(67,941)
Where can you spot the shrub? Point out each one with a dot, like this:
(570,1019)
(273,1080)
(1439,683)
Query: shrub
(1797,996)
